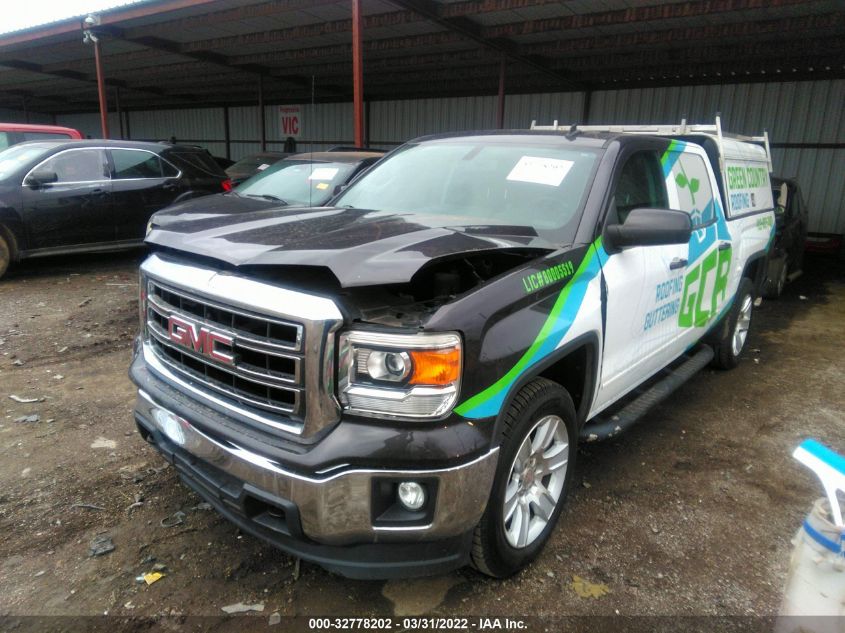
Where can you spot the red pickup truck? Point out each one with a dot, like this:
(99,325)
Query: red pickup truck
(14,133)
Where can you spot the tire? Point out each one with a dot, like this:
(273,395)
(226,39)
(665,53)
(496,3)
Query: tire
(541,414)
(735,331)
(5,255)
(774,287)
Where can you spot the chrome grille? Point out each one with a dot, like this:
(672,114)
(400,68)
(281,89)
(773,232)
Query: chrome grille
(265,371)
(270,356)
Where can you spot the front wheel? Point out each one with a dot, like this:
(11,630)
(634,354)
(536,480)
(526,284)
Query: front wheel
(535,466)
(730,346)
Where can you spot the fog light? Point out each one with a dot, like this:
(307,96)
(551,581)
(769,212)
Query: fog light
(169,425)
(412,495)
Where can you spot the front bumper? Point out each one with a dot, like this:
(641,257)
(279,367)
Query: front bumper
(327,518)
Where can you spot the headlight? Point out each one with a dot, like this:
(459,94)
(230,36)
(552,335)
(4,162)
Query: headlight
(412,376)
(149,228)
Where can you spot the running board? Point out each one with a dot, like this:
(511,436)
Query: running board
(605,428)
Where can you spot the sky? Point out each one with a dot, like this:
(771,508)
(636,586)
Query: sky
(19,14)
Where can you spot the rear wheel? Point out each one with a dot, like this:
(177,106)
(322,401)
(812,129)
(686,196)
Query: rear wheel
(735,334)
(774,288)
(532,479)
(5,255)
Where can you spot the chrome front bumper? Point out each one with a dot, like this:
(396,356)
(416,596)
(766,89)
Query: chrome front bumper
(334,506)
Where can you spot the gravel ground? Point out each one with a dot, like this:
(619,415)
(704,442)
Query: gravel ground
(690,513)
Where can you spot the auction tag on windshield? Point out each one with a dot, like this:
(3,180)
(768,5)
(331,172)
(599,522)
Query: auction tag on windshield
(323,173)
(541,171)
(321,185)
(263,166)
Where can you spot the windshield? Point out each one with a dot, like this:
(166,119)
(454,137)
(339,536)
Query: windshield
(17,156)
(297,182)
(523,184)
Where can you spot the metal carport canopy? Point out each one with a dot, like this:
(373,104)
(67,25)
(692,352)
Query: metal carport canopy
(199,53)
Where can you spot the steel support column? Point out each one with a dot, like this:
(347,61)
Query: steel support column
(261,114)
(101,91)
(357,73)
(500,110)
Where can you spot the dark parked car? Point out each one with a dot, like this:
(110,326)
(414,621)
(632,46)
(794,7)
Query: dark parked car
(67,197)
(251,165)
(786,257)
(300,180)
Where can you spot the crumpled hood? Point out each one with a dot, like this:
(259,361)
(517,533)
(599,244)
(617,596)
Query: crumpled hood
(360,247)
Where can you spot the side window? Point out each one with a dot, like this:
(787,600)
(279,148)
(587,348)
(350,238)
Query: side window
(168,170)
(640,184)
(689,181)
(135,164)
(78,165)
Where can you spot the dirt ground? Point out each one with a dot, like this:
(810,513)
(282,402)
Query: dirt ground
(690,513)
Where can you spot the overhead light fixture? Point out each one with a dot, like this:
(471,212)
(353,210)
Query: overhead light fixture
(88,35)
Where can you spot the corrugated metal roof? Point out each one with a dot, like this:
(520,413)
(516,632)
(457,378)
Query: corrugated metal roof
(152,48)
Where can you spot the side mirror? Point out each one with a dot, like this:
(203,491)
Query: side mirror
(339,188)
(41,177)
(649,227)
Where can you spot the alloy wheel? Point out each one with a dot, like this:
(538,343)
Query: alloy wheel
(743,322)
(536,480)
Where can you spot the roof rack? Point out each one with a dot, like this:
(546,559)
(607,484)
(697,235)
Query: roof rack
(684,129)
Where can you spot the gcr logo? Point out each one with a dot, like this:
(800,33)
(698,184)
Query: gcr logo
(200,339)
(713,271)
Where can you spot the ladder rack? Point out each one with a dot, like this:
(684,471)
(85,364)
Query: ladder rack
(684,129)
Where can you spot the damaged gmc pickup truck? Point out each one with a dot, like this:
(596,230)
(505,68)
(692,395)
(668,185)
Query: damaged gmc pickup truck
(396,385)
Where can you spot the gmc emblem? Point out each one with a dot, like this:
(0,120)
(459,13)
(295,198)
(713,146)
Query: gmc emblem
(200,339)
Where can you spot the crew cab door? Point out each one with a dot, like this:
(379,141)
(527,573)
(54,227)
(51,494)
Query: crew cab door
(142,184)
(75,208)
(643,284)
(708,280)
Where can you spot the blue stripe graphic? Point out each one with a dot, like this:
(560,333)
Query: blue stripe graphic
(821,539)
(824,454)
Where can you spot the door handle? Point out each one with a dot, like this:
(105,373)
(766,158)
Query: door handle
(723,246)
(677,263)
(169,186)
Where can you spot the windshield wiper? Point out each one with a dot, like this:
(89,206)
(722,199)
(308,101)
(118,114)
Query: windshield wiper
(267,196)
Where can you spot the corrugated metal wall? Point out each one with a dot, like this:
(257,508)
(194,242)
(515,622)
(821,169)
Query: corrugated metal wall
(19,116)
(803,113)
(393,122)
(89,123)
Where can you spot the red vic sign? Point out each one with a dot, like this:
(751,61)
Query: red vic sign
(291,120)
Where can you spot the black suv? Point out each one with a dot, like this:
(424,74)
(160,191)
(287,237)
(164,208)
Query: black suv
(72,196)
(786,257)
